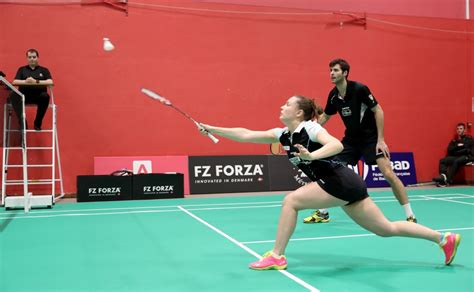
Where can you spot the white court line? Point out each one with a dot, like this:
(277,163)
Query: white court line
(33,215)
(279,205)
(85,214)
(288,274)
(344,236)
(447,200)
(383,200)
(151,207)
(230,208)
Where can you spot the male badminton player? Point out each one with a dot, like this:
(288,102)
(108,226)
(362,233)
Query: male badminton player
(364,135)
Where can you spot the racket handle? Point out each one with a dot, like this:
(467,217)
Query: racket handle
(212,137)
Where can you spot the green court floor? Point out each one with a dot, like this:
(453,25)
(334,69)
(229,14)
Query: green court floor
(205,244)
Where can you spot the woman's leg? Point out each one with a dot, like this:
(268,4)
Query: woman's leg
(369,216)
(310,196)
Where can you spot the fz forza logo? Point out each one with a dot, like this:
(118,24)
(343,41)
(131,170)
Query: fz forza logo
(110,190)
(228,170)
(158,188)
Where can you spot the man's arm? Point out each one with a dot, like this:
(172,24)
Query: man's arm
(379,122)
(323,118)
(452,148)
(32,81)
(464,146)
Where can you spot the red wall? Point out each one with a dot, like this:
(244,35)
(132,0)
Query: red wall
(232,70)
(426,8)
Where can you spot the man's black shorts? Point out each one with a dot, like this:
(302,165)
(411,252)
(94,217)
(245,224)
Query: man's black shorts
(354,150)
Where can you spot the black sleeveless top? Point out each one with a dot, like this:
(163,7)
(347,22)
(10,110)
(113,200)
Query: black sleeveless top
(305,135)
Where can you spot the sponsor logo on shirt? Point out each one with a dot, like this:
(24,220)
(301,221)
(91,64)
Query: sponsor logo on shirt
(346,111)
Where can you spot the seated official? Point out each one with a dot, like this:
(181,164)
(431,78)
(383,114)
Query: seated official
(32,81)
(459,153)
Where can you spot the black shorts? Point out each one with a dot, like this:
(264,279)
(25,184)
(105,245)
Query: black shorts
(353,151)
(344,184)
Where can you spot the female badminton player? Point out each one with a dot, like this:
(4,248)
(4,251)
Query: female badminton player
(311,148)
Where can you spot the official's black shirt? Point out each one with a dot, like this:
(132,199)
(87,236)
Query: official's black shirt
(305,134)
(355,110)
(39,73)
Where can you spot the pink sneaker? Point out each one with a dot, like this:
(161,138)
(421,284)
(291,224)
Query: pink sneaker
(449,245)
(268,262)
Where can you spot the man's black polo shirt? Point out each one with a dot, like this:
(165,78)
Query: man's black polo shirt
(39,73)
(355,111)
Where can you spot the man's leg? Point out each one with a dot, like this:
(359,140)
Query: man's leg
(457,163)
(444,165)
(396,185)
(43,102)
(16,103)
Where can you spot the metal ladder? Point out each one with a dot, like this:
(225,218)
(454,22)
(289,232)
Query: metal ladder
(28,200)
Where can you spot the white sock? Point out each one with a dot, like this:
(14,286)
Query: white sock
(442,240)
(276,256)
(324,211)
(408,210)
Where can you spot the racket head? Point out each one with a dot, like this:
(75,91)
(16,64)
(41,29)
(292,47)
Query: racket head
(155,96)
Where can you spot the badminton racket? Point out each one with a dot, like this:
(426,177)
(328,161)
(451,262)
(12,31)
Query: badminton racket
(167,102)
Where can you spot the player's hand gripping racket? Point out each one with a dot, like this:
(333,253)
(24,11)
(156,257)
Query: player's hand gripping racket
(165,101)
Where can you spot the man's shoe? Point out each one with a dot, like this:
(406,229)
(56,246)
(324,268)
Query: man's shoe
(317,217)
(412,219)
(449,245)
(268,262)
(37,128)
(441,179)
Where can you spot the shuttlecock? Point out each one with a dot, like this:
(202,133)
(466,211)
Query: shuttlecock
(108,46)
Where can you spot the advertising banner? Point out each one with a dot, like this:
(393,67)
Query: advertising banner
(285,176)
(144,165)
(403,165)
(228,174)
(92,188)
(157,186)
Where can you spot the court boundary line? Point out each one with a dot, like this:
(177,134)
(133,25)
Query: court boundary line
(344,236)
(159,209)
(448,200)
(250,251)
(379,200)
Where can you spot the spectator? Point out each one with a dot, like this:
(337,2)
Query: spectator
(459,153)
